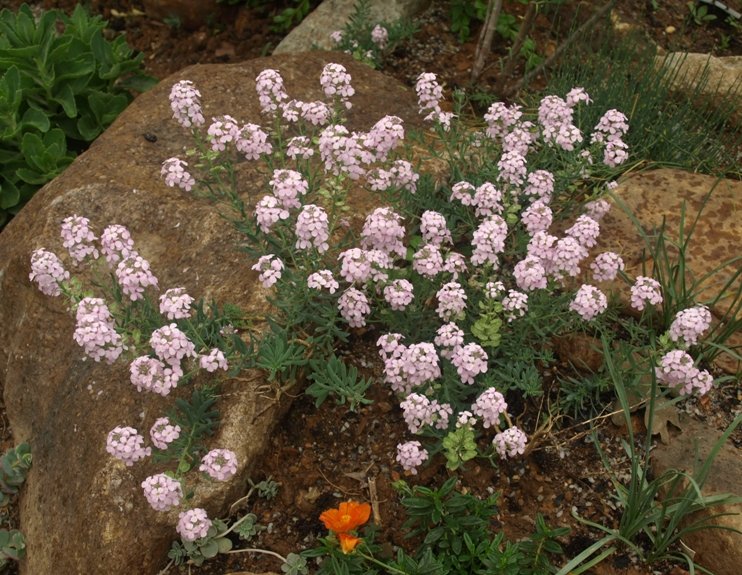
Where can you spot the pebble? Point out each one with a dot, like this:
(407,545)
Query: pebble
(670,30)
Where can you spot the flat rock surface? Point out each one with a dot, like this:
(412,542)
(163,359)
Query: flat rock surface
(652,196)
(718,550)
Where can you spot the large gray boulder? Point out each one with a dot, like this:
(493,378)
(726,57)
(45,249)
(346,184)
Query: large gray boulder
(81,510)
(332,15)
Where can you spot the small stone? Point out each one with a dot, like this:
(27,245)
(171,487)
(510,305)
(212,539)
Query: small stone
(670,30)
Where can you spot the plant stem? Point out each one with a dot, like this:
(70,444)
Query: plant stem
(485,37)
(264,551)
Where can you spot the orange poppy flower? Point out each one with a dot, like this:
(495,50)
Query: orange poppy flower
(348,542)
(347,517)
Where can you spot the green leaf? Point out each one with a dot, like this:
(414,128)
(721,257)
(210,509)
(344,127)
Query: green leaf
(66,98)
(210,549)
(88,127)
(184,467)
(32,177)
(224,544)
(36,119)
(139,83)
(9,195)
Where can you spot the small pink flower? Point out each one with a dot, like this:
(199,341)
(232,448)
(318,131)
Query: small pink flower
(399,294)
(163,434)
(323,279)
(162,492)
(589,302)
(219,464)
(48,272)
(193,524)
(270,268)
(410,456)
(125,444)
(510,442)
(645,290)
(353,306)
(470,360)
(175,303)
(215,360)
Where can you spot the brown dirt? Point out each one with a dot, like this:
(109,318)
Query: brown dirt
(321,456)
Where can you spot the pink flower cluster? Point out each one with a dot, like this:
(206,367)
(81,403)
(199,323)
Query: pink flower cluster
(134,275)
(463,192)
(589,301)
(383,231)
(151,374)
(596,209)
(537,217)
(566,257)
(490,405)
(489,240)
(271,92)
(353,306)
(171,345)
(451,301)
(606,265)
(645,290)
(219,464)
(335,82)
(287,186)
(299,147)
(433,229)
(162,492)
(689,324)
(125,444)
(223,130)
(323,279)
(270,267)
(510,442)
(530,274)
(428,261)
(512,168)
(410,455)
(429,94)
(677,369)
(252,141)
(77,236)
(343,152)
(384,137)
(116,244)
(500,118)
(95,331)
(193,524)
(312,229)
(540,185)
(163,434)
(585,230)
(380,36)
(48,272)
(185,103)
(449,337)
(215,360)
(175,303)
(609,132)
(470,360)
(488,200)
(515,305)
(268,211)
(399,294)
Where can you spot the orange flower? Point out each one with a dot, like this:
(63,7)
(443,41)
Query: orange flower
(348,542)
(347,517)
